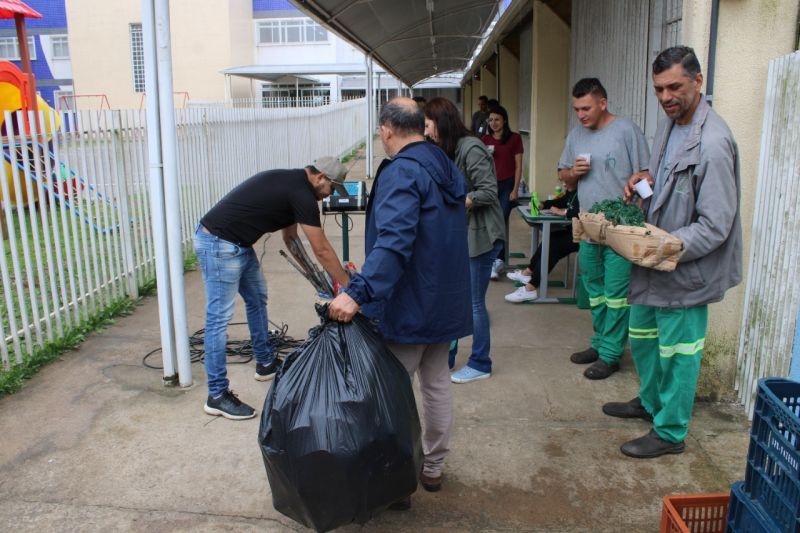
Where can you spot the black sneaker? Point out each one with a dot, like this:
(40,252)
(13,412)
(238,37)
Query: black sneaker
(266,372)
(229,406)
(631,409)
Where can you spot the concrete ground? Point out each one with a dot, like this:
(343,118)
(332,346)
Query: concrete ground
(94,442)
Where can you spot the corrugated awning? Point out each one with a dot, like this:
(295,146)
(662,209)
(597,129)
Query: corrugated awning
(412,39)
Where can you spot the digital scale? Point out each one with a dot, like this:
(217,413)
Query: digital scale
(356,201)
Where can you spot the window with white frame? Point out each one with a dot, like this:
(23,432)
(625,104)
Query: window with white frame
(64,99)
(137,57)
(60,46)
(290,31)
(9,48)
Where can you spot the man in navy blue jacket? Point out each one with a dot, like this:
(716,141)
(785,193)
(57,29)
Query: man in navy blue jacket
(415,280)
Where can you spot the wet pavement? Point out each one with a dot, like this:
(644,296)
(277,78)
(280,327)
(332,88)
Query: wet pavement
(94,442)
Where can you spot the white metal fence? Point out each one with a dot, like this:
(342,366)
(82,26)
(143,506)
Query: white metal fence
(75,199)
(773,285)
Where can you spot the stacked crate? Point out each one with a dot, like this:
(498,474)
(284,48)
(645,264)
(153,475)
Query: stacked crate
(768,500)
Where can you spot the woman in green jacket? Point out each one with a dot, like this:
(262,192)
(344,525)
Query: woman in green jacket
(444,127)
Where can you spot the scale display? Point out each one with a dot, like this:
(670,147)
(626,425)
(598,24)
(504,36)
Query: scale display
(356,201)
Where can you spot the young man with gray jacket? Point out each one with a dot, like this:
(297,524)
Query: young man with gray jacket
(696,198)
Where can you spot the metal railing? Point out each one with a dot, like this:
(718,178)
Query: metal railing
(76,207)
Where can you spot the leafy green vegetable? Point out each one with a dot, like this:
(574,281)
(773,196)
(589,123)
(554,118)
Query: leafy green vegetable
(618,212)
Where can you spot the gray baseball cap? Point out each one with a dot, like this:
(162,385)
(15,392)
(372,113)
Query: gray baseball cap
(335,170)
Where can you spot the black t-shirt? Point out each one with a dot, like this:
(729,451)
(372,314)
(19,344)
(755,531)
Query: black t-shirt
(266,202)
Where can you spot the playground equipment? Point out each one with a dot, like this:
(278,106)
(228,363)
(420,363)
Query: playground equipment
(21,149)
(70,102)
(15,96)
(180,99)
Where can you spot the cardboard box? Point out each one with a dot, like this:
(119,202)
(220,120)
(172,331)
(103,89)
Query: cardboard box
(649,247)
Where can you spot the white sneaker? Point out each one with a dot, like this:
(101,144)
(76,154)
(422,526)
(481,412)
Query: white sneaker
(522,295)
(497,267)
(517,275)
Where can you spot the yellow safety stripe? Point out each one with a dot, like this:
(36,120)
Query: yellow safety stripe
(600,300)
(617,303)
(637,333)
(684,348)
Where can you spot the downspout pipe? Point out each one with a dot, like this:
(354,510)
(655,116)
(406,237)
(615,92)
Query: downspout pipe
(712,51)
(157,209)
(172,201)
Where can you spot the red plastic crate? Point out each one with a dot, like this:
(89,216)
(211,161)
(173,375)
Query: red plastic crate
(694,513)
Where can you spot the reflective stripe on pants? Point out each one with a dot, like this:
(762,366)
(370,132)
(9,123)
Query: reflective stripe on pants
(667,346)
(606,276)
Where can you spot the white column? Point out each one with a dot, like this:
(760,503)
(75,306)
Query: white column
(157,193)
(370,116)
(172,201)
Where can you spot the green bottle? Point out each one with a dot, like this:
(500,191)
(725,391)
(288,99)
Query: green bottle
(534,204)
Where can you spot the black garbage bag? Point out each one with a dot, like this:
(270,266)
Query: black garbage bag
(340,433)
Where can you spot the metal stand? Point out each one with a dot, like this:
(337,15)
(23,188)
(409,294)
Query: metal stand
(345,238)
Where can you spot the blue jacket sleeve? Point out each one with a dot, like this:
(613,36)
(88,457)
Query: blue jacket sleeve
(396,215)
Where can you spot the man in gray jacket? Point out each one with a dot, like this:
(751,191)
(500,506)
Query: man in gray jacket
(696,198)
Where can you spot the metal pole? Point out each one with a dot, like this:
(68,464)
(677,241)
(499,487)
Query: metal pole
(25,59)
(227,88)
(345,238)
(370,116)
(378,90)
(157,194)
(172,191)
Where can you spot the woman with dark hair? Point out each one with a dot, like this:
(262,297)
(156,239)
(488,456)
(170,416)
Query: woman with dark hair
(443,126)
(506,149)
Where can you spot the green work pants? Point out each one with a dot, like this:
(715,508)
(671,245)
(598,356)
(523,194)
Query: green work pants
(606,276)
(667,345)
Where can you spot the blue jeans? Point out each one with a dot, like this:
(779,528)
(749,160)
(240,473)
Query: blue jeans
(504,189)
(228,269)
(480,268)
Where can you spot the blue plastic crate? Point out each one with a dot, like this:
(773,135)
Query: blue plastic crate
(772,477)
(745,515)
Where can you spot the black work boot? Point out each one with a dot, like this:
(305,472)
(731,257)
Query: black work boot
(631,409)
(600,370)
(650,446)
(585,357)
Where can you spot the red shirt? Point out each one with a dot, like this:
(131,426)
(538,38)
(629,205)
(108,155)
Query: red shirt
(504,164)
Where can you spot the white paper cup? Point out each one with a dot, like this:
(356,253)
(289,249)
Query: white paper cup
(643,189)
(587,157)
(490,147)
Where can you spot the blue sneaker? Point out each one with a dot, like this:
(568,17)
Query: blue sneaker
(468,374)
